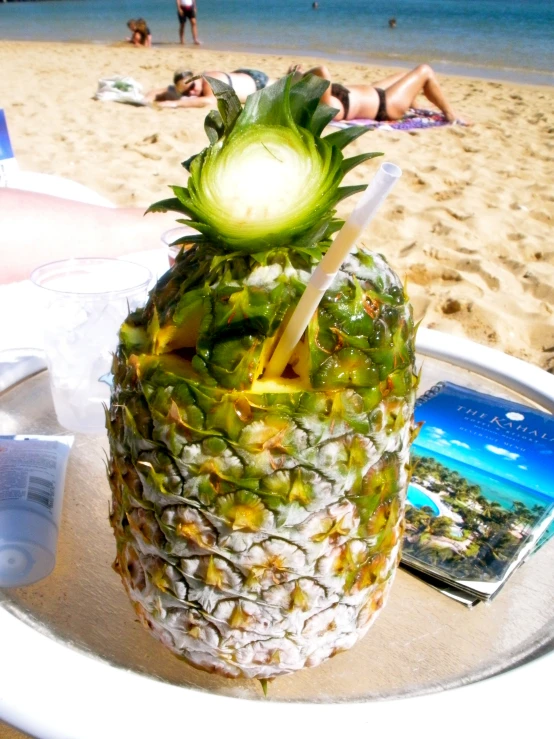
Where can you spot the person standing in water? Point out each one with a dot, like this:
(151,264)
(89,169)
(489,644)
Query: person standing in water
(187,9)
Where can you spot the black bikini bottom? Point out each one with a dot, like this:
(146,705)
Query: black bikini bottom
(382,109)
(342,94)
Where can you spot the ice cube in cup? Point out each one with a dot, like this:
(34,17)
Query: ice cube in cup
(87,300)
(174,234)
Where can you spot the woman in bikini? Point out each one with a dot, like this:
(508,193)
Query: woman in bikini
(386,100)
(187,93)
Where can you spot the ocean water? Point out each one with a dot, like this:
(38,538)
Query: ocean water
(500,39)
(494,488)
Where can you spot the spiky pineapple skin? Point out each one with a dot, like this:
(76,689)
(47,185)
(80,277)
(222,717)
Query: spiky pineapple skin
(259,533)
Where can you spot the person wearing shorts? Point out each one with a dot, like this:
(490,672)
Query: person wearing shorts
(194,91)
(261,79)
(187,9)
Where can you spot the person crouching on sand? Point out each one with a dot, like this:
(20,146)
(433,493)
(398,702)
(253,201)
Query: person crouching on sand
(386,100)
(188,93)
(140,33)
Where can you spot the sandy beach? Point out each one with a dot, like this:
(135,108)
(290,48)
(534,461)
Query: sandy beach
(469,225)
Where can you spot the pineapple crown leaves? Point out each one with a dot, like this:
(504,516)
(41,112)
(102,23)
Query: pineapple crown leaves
(268,179)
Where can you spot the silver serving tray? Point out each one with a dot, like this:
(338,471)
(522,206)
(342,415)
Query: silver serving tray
(421,643)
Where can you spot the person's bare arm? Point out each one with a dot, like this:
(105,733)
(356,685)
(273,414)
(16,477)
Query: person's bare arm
(186,102)
(151,95)
(36,228)
(179,9)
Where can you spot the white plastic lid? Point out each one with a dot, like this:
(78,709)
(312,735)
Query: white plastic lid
(28,542)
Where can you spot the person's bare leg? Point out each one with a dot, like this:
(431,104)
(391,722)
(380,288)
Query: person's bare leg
(182,31)
(194,29)
(388,81)
(297,71)
(401,95)
(323,72)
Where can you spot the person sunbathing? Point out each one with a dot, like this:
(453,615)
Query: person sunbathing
(197,93)
(386,100)
(171,93)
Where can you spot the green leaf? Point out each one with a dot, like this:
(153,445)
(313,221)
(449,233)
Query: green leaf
(335,225)
(352,162)
(346,192)
(214,126)
(228,103)
(204,228)
(190,239)
(321,118)
(217,260)
(163,206)
(345,136)
(314,235)
(187,162)
(304,99)
(181,193)
(269,107)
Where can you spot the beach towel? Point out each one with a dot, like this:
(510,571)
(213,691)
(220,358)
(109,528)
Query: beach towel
(414,118)
(120,90)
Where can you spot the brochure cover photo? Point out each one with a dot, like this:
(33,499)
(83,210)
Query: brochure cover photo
(482,487)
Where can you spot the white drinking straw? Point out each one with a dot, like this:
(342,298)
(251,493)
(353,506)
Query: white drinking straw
(325,272)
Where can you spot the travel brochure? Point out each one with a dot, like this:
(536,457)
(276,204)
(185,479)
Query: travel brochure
(481,496)
(8,164)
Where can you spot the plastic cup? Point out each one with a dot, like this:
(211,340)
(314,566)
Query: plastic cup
(86,301)
(170,237)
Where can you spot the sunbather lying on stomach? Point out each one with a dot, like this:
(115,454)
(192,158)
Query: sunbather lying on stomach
(197,93)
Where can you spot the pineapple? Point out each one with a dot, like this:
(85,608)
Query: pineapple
(258,521)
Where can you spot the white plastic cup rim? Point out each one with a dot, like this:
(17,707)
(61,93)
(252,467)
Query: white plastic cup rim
(173,234)
(135,277)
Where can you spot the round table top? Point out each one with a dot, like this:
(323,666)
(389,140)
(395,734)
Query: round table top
(423,642)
